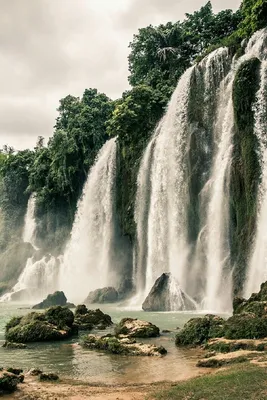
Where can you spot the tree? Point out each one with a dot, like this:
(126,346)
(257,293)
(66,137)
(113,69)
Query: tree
(254,17)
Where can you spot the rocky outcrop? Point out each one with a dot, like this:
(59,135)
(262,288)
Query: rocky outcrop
(101,296)
(89,319)
(56,299)
(122,346)
(54,324)
(199,330)
(135,328)
(248,322)
(11,345)
(9,382)
(163,298)
(220,360)
(48,377)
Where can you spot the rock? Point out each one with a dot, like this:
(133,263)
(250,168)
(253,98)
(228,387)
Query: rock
(101,296)
(223,345)
(8,382)
(114,345)
(54,324)
(10,345)
(162,297)
(49,377)
(136,328)
(35,372)
(55,299)
(226,359)
(15,371)
(89,319)
(246,326)
(199,330)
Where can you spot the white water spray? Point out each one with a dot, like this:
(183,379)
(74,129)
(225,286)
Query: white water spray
(162,195)
(29,222)
(86,263)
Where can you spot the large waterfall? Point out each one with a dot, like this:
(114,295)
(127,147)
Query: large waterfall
(162,195)
(186,148)
(87,262)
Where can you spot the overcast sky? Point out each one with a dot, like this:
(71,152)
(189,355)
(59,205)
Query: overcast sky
(52,48)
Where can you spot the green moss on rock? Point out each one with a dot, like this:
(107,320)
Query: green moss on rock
(245,169)
(199,330)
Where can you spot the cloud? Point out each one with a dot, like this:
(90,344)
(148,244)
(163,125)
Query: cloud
(52,48)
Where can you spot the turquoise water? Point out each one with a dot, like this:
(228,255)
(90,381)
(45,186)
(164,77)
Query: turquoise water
(68,359)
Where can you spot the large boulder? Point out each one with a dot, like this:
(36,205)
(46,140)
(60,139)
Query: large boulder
(8,382)
(101,296)
(166,295)
(122,346)
(54,324)
(199,330)
(246,326)
(136,328)
(56,299)
(89,319)
(256,304)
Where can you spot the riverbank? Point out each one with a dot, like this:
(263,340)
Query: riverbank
(240,382)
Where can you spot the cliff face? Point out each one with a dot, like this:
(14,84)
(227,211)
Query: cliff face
(245,169)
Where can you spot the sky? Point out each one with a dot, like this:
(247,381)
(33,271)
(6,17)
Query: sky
(52,48)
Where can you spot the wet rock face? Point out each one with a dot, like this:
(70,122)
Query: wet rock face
(56,299)
(161,297)
(135,328)
(102,296)
(89,319)
(122,346)
(54,324)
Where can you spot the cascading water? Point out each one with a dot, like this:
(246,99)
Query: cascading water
(168,168)
(39,278)
(162,195)
(29,222)
(257,271)
(86,264)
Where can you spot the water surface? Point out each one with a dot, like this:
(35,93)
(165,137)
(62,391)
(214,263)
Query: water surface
(68,359)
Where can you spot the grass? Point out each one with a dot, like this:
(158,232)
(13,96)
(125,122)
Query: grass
(246,382)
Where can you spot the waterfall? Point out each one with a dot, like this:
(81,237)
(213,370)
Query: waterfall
(39,277)
(257,271)
(188,162)
(29,222)
(215,233)
(86,264)
(162,195)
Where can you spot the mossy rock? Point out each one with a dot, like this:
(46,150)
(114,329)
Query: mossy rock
(124,346)
(199,330)
(8,382)
(136,328)
(60,316)
(246,326)
(55,324)
(56,299)
(88,319)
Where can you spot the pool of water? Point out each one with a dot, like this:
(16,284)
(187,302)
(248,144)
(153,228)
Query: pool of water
(68,359)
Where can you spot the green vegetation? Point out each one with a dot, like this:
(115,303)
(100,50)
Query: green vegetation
(242,382)
(245,169)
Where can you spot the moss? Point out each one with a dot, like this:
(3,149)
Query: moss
(245,169)
(55,324)
(246,326)
(199,330)
(136,329)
